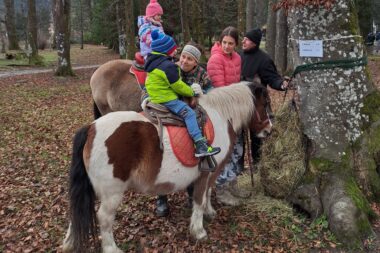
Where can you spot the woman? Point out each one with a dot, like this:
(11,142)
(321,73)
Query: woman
(191,72)
(151,21)
(224,67)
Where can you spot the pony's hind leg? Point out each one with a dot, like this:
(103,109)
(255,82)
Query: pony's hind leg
(210,211)
(67,245)
(106,217)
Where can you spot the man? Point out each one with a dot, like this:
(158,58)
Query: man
(257,64)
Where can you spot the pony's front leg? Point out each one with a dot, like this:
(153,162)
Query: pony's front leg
(196,222)
(106,217)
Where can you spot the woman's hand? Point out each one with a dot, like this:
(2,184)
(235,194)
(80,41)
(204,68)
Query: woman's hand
(197,89)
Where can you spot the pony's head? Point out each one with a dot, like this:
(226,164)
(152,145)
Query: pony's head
(260,123)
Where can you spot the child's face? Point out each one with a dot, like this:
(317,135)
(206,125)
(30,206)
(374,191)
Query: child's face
(157,18)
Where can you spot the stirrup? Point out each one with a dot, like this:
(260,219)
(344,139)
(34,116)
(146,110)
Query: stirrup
(207,164)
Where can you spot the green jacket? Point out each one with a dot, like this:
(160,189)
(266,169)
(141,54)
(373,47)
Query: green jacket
(163,82)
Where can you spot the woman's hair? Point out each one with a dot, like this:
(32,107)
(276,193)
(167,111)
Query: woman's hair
(230,31)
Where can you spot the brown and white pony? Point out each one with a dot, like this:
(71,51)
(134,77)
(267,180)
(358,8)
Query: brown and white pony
(121,151)
(114,88)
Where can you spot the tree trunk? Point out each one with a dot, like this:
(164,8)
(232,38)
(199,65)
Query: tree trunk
(257,11)
(270,35)
(143,4)
(2,37)
(62,19)
(53,25)
(339,112)
(197,33)
(130,21)
(34,58)
(281,45)
(10,25)
(120,28)
(241,21)
(184,21)
(81,23)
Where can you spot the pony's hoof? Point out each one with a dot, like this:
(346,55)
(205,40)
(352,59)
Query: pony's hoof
(111,249)
(201,236)
(210,215)
(67,247)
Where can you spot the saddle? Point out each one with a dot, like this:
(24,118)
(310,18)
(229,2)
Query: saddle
(137,69)
(180,140)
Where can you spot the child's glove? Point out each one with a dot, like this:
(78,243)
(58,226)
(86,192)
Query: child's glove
(197,89)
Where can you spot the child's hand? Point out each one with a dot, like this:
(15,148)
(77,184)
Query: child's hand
(197,89)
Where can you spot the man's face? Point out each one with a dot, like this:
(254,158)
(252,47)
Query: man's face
(247,44)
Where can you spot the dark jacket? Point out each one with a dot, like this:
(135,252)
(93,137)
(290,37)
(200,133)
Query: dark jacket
(256,62)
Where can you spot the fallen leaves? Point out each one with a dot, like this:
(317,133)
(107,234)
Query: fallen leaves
(39,115)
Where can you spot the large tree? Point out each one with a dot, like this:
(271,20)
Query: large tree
(340,116)
(10,25)
(62,20)
(130,23)
(257,11)
(34,58)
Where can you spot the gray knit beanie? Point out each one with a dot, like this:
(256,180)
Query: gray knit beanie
(193,51)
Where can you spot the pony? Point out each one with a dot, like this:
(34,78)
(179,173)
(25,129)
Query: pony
(121,151)
(114,88)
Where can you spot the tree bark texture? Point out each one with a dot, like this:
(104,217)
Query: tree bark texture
(281,45)
(10,25)
(62,17)
(120,28)
(256,13)
(241,22)
(185,21)
(196,19)
(270,41)
(130,21)
(340,115)
(32,34)
(2,38)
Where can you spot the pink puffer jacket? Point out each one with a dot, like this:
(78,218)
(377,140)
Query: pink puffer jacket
(223,69)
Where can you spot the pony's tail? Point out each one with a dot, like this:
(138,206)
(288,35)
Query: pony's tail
(97,113)
(82,197)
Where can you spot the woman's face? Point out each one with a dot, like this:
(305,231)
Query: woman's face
(187,62)
(228,44)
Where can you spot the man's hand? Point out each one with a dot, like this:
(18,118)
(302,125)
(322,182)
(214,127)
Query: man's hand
(285,85)
(197,89)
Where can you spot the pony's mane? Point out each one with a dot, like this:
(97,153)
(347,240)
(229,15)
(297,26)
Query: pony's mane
(234,103)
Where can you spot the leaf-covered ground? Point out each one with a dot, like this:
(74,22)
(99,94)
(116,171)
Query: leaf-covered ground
(39,115)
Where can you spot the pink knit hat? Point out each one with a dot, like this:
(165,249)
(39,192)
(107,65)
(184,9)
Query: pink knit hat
(153,9)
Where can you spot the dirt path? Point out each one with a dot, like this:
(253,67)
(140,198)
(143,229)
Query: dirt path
(39,71)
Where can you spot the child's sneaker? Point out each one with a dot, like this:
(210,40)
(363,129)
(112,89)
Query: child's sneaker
(202,149)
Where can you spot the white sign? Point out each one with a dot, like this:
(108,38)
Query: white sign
(311,48)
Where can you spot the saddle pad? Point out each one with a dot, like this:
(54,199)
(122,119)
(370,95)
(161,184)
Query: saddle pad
(183,145)
(140,75)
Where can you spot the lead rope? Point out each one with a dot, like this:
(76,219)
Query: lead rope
(249,153)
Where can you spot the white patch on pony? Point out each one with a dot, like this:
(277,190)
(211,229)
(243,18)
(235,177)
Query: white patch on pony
(172,170)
